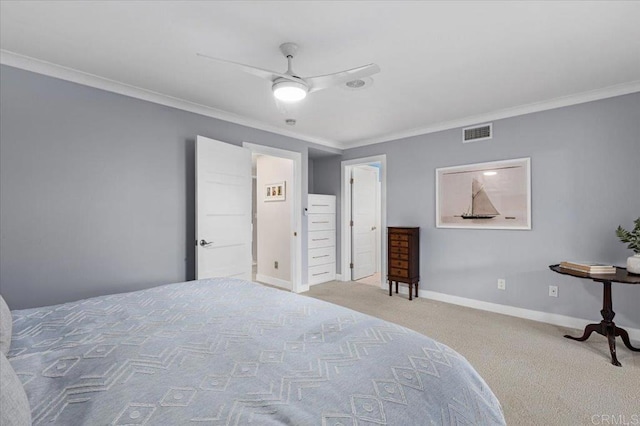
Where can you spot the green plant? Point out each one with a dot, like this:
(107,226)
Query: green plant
(633,237)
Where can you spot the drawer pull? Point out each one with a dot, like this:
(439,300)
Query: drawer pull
(320,205)
(319,273)
(319,239)
(326,221)
(318,257)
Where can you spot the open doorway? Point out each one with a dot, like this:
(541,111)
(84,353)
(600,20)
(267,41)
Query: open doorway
(272,220)
(364,220)
(276,209)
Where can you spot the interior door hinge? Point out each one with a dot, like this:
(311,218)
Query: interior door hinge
(196,243)
(350,224)
(351,181)
(351,266)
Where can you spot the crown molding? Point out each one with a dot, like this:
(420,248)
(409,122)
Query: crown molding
(579,98)
(69,74)
(86,79)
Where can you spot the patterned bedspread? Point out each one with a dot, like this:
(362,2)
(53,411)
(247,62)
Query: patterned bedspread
(226,351)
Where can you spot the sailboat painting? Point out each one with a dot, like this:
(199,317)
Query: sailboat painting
(481,205)
(493,195)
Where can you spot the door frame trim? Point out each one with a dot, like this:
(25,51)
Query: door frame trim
(295,250)
(345,246)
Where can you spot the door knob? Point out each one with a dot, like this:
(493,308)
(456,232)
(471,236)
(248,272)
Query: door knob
(373,228)
(204,243)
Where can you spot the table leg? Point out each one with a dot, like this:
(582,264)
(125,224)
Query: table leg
(625,338)
(416,289)
(587,332)
(606,327)
(390,286)
(396,287)
(410,290)
(611,337)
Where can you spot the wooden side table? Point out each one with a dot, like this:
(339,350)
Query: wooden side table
(606,327)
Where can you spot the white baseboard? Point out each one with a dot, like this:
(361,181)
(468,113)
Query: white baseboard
(546,317)
(274,281)
(337,277)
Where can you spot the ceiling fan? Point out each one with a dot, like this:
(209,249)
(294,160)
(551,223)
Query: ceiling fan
(289,87)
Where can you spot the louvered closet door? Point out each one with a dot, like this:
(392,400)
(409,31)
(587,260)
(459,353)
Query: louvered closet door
(321,238)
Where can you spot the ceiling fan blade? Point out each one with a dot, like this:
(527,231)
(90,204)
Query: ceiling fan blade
(258,72)
(324,81)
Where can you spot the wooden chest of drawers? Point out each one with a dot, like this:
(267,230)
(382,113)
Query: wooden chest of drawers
(403,248)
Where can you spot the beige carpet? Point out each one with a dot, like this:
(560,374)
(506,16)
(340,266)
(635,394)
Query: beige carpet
(539,377)
(371,280)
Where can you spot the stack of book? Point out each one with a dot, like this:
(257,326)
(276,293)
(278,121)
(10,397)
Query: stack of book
(589,267)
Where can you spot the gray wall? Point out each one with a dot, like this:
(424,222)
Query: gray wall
(585,163)
(96,189)
(96,196)
(310,173)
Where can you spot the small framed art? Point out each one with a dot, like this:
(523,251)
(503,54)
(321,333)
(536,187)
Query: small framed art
(275,191)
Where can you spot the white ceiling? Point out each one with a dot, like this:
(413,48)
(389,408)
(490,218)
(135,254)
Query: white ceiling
(444,64)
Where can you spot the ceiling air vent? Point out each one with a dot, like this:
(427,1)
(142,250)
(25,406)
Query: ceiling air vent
(477,133)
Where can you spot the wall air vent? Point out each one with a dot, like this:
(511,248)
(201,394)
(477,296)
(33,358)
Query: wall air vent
(477,133)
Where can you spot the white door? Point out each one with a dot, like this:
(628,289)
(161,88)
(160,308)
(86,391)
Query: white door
(223,210)
(363,214)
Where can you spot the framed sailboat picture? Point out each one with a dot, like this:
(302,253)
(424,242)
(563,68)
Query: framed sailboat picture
(494,195)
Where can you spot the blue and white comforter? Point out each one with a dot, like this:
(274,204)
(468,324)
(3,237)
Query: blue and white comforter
(229,352)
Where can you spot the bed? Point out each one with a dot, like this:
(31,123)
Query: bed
(227,352)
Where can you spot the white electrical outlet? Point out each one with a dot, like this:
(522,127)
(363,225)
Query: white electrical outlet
(502,284)
(553,291)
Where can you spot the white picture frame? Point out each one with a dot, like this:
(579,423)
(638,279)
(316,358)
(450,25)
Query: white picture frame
(491,195)
(275,191)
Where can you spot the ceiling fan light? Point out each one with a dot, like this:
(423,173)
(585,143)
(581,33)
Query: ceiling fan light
(289,91)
